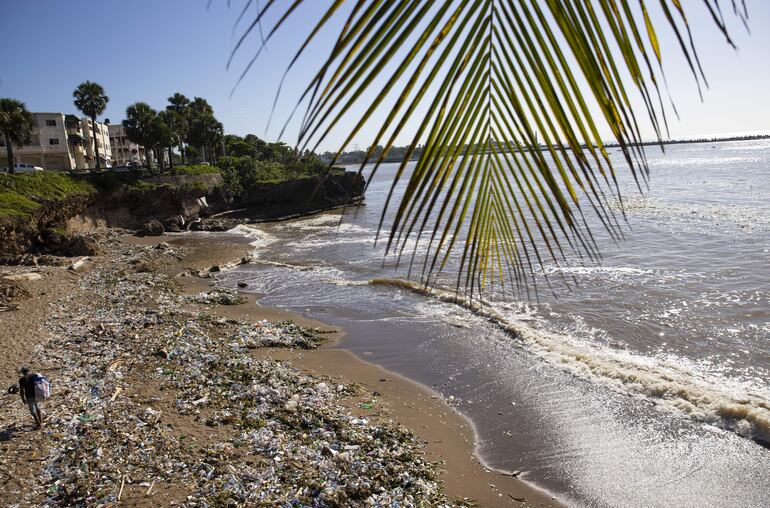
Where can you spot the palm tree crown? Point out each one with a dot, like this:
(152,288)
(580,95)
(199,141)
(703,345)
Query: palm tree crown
(508,97)
(16,125)
(92,101)
(140,127)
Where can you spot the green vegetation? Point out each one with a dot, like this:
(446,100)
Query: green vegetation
(20,195)
(252,161)
(489,87)
(16,124)
(91,100)
(189,125)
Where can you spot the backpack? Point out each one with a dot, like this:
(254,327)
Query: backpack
(42,387)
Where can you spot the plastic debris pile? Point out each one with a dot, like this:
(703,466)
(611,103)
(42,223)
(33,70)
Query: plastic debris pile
(218,296)
(283,438)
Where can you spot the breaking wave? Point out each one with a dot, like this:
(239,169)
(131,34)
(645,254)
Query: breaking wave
(729,405)
(259,239)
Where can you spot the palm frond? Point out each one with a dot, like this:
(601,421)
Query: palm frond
(509,98)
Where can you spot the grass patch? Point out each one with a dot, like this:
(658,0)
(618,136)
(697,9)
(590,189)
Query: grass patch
(16,205)
(20,195)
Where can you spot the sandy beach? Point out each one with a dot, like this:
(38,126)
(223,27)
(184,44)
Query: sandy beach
(446,437)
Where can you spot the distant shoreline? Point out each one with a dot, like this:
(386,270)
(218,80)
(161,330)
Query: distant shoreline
(693,141)
(342,161)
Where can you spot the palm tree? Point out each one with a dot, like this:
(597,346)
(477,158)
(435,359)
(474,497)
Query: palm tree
(91,100)
(140,124)
(168,133)
(16,124)
(180,105)
(508,98)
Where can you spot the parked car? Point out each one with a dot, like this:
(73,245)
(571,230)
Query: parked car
(133,165)
(21,167)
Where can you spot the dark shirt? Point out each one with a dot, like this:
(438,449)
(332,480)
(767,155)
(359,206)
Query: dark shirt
(27,387)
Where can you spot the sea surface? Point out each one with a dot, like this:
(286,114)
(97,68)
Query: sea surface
(644,382)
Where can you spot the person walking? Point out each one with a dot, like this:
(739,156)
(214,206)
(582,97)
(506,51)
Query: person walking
(27,392)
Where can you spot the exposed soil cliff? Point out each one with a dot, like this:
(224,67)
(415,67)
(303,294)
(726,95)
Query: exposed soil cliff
(272,200)
(165,203)
(23,235)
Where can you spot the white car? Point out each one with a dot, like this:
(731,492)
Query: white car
(21,167)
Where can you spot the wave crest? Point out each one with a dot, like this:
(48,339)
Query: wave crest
(730,406)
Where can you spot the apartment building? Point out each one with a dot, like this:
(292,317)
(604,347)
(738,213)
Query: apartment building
(102,140)
(123,149)
(62,142)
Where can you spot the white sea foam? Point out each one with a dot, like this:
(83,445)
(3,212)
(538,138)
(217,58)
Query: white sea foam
(259,239)
(739,407)
(750,219)
(607,271)
(692,162)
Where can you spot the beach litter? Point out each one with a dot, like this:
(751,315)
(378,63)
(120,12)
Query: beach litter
(153,400)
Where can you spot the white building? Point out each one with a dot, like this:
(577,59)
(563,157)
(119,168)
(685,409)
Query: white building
(64,143)
(102,140)
(123,149)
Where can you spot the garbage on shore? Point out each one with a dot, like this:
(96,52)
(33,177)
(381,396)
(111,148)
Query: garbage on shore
(149,398)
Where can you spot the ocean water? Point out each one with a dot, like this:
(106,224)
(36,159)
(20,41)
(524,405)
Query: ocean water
(645,382)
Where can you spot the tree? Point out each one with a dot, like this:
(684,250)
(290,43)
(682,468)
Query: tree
(166,135)
(205,131)
(16,124)
(180,105)
(91,100)
(508,97)
(140,125)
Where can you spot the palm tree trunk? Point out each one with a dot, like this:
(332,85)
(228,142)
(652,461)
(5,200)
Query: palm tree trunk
(170,158)
(148,157)
(161,166)
(96,143)
(9,150)
(181,152)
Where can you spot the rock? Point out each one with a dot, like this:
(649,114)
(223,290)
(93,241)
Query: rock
(161,353)
(242,285)
(55,239)
(174,224)
(29,277)
(151,228)
(77,265)
(80,246)
(163,246)
(12,292)
(215,269)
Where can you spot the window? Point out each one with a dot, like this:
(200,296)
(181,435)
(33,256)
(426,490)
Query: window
(50,123)
(53,141)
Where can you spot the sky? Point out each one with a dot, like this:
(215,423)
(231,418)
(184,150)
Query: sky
(145,50)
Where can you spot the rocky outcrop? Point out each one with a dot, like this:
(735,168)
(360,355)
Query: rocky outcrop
(33,234)
(152,228)
(169,203)
(173,205)
(303,195)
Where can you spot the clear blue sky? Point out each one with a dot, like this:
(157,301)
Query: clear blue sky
(145,50)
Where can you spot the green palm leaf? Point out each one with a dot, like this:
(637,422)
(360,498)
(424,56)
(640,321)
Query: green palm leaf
(508,97)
